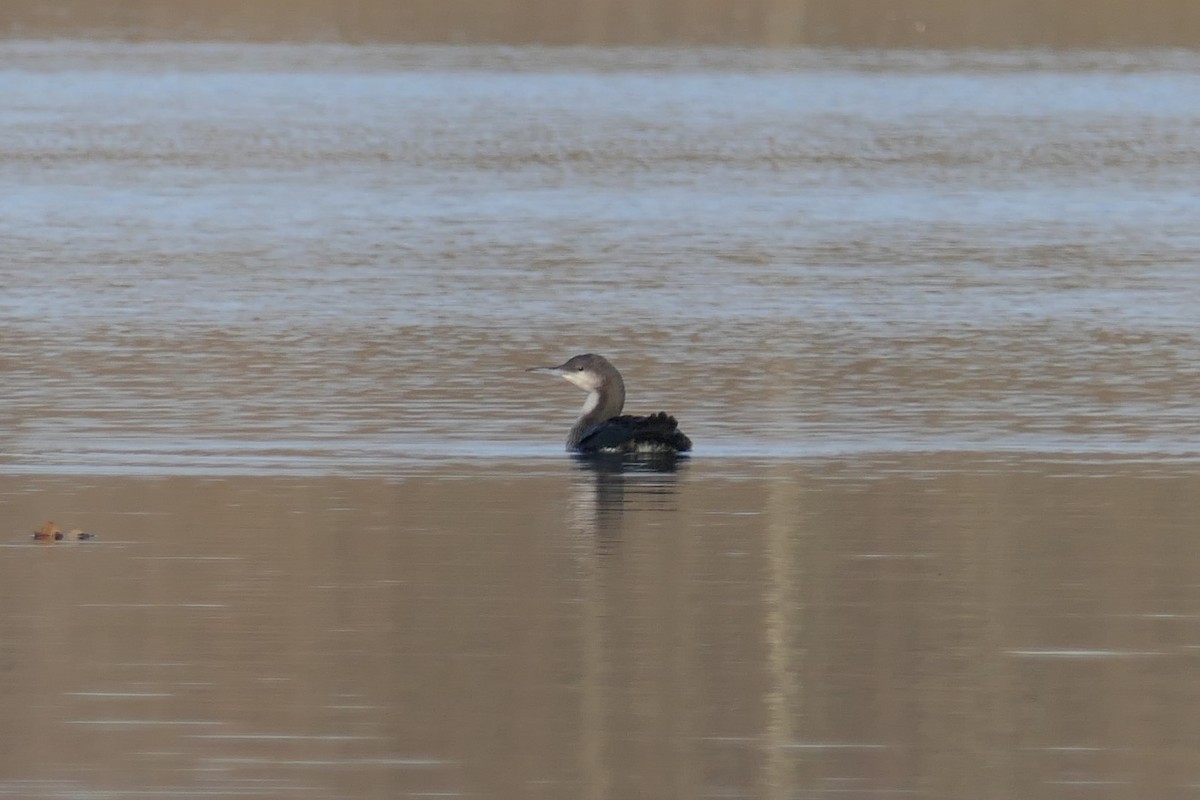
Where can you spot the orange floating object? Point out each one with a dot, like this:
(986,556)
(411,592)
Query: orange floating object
(49,532)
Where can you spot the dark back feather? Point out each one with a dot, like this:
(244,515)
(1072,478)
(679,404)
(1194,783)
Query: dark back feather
(629,433)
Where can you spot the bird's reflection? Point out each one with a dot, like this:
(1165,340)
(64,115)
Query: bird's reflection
(608,484)
(604,487)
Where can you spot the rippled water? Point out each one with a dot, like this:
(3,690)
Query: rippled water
(220,254)
(930,319)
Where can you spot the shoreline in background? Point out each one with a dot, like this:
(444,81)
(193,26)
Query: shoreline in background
(772,23)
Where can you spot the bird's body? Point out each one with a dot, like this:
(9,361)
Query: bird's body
(601,428)
(657,433)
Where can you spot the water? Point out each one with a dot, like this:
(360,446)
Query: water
(930,318)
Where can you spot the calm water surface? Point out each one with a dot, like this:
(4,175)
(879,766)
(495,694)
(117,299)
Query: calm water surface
(933,321)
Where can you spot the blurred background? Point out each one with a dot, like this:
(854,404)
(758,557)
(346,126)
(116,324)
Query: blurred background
(863,23)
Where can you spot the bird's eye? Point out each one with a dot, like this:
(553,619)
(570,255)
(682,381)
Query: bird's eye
(580,368)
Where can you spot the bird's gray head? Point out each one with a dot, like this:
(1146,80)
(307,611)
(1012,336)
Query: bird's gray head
(589,372)
(602,382)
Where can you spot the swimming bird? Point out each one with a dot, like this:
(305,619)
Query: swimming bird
(601,428)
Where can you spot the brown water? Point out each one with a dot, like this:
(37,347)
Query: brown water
(930,627)
(836,23)
(930,318)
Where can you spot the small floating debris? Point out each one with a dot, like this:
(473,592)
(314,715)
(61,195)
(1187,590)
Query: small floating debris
(50,532)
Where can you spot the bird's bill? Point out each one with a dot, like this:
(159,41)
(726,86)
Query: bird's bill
(548,370)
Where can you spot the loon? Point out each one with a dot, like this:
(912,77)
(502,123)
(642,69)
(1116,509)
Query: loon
(601,428)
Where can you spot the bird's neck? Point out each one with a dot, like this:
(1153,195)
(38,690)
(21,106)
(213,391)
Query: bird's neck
(600,405)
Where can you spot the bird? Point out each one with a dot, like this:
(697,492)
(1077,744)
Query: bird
(601,428)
